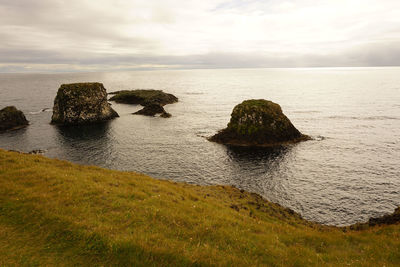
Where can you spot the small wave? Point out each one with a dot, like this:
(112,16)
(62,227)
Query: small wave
(318,138)
(40,111)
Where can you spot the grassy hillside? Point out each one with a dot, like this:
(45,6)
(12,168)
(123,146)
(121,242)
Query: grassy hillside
(54,212)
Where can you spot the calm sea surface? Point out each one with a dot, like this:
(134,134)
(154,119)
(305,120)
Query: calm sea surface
(348,173)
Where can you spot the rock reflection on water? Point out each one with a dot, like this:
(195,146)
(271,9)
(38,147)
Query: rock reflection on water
(257,169)
(257,155)
(94,139)
(84,132)
(263,161)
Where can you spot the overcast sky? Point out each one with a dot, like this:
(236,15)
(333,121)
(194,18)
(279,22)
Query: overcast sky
(83,35)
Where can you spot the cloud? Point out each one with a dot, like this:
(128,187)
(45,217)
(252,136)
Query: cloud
(112,34)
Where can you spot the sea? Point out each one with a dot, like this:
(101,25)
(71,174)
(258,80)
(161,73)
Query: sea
(348,173)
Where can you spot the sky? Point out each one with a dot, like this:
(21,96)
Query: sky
(106,35)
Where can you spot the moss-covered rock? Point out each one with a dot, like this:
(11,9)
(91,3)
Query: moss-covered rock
(81,103)
(11,118)
(258,123)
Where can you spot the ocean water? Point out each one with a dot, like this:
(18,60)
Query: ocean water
(348,173)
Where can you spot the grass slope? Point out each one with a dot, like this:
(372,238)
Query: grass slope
(55,213)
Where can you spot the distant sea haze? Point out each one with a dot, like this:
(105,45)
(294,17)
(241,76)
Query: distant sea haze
(347,174)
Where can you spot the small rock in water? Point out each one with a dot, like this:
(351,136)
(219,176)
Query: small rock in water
(165,115)
(37,152)
(151,110)
(11,118)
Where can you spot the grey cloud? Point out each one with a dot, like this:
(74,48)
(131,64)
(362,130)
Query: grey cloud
(369,55)
(67,34)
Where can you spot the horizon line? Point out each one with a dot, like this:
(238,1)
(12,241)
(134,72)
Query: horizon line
(199,68)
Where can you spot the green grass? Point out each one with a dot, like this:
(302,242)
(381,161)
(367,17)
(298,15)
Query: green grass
(55,213)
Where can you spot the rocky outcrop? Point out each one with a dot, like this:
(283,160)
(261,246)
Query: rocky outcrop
(11,118)
(81,103)
(152,101)
(258,123)
(386,219)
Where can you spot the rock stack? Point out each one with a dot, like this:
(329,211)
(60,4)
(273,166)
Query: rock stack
(81,103)
(258,123)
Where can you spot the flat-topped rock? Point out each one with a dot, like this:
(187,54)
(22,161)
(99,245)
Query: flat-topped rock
(152,100)
(11,118)
(81,103)
(143,97)
(258,123)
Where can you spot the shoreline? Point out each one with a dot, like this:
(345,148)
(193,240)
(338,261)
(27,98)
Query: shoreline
(387,219)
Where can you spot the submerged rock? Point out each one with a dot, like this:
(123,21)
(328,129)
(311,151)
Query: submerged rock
(152,101)
(81,103)
(258,123)
(11,118)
